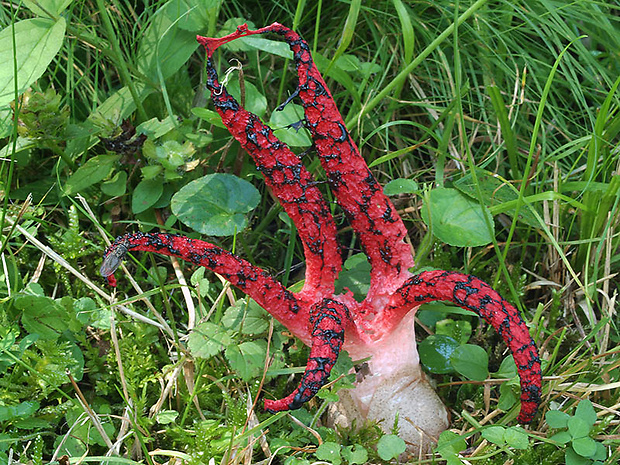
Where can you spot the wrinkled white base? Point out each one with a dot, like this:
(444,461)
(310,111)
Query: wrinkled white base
(394,385)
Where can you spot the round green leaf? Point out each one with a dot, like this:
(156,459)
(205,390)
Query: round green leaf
(400,186)
(355,454)
(116,186)
(390,446)
(451,443)
(578,428)
(586,412)
(456,219)
(37,41)
(330,452)
(207,339)
(471,361)
(563,437)
(572,458)
(494,434)
(586,447)
(435,352)
(516,437)
(507,368)
(601,452)
(146,195)
(215,204)
(557,419)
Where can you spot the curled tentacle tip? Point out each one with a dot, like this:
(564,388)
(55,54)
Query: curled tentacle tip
(212,43)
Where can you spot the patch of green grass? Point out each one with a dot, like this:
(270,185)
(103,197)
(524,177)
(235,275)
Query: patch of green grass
(512,106)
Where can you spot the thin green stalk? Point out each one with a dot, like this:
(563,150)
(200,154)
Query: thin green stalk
(290,252)
(347,33)
(301,4)
(465,147)
(528,165)
(404,74)
(317,24)
(123,70)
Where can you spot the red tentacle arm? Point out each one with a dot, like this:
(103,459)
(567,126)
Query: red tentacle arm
(252,280)
(473,294)
(290,182)
(371,213)
(328,319)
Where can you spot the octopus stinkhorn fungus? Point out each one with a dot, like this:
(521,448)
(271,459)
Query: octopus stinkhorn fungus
(380,327)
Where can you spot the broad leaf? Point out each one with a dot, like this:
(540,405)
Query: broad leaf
(21,410)
(586,447)
(215,204)
(37,41)
(456,219)
(247,358)
(42,316)
(54,7)
(494,192)
(471,361)
(116,186)
(165,46)
(390,446)
(578,428)
(400,186)
(329,452)
(557,419)
(516,437)
(146,194)
(494,434)
(435,352)
(254,101)
(94,170)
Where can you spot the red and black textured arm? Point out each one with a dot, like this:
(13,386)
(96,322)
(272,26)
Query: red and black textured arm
(473,294)
(371,213)
(290,182)
(325,325)
(328,319)
(252,280)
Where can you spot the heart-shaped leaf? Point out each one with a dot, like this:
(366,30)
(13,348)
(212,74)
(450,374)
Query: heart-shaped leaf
(215,204)
(456,219)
